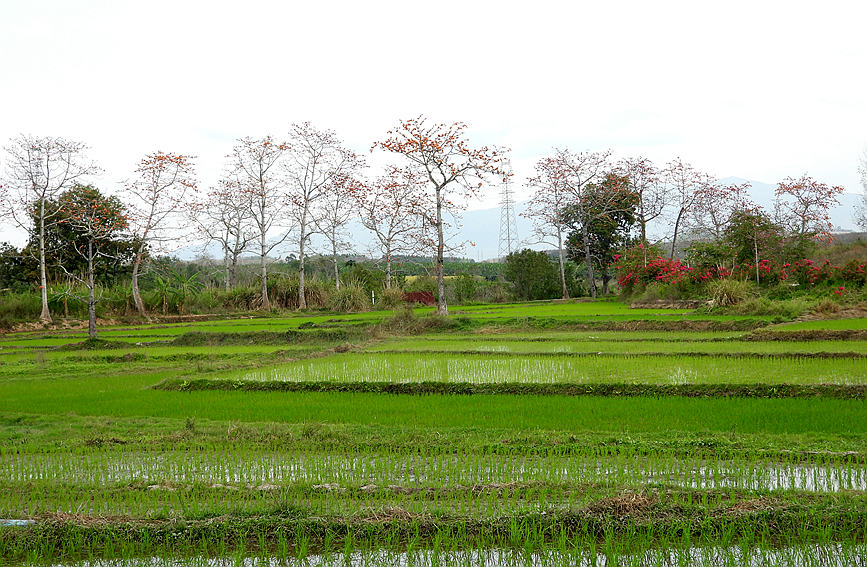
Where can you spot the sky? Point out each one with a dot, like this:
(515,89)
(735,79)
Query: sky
(758,90)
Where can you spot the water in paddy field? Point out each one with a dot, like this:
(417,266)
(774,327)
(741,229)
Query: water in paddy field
(252,470)
(829,555)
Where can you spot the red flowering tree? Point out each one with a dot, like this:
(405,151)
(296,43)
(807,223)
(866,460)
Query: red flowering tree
(94,219)
(453,169)
(802,205)
(157,197)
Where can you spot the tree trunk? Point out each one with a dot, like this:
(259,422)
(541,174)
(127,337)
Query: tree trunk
(234,273)
(606,277)
(226,267)
(563,288)
(442,307)
(388,267)
(266,303)
(756,246)
(45,316)
(588,261)
(136,295)
(644,239)
(674,237)
(334,259)
(302,300)
(91,298)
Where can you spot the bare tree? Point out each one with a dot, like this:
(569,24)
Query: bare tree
(714,206)
(545,209)
(453,169)
(316,164)
(37,171)
(157,196)
(389,209)
(225,217)
(336,209)
(254,164)
(802,205)
(861,207)
(685,184)
(646,182)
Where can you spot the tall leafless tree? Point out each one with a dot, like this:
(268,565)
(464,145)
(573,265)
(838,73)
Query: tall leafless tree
(389,208)
(37,171)
(225,217)
(336,210)
(646,182)
(157,196)
(545,209)
(316,163)
(254,166)
(685,184)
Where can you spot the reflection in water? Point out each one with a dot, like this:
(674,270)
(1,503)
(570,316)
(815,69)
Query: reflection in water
(830,555)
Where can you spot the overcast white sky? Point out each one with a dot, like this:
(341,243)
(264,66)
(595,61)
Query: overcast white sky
(760,90)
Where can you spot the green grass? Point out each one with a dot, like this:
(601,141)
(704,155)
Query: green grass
(829,324)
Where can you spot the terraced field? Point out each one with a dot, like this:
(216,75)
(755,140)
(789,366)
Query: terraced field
(543,434)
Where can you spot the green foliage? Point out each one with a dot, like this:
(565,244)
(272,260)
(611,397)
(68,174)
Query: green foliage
(18,271)
(532,273)
(464,287)
(752,233)
(65,239)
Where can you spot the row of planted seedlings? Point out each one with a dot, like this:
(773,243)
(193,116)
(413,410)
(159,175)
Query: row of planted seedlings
(533,369)
(811,536)
(141,483)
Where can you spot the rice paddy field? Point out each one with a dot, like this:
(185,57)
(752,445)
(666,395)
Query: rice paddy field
(561,433)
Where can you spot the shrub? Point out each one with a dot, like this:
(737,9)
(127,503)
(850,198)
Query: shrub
(729,292)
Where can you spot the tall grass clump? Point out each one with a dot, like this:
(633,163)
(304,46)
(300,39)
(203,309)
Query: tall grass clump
(728,292)
(16,307)
(349,298)
(391,297)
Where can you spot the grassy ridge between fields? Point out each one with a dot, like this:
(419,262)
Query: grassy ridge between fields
(627,523)
(841,391)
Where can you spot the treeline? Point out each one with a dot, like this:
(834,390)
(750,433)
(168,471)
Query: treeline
(279,193)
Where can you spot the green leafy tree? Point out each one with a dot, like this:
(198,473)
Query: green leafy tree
(94,220)
(753,237)
(532,273)
(602,222)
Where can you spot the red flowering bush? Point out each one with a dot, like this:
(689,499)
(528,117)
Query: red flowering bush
(634,275)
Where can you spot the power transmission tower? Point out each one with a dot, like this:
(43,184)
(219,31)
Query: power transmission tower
(508,221)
